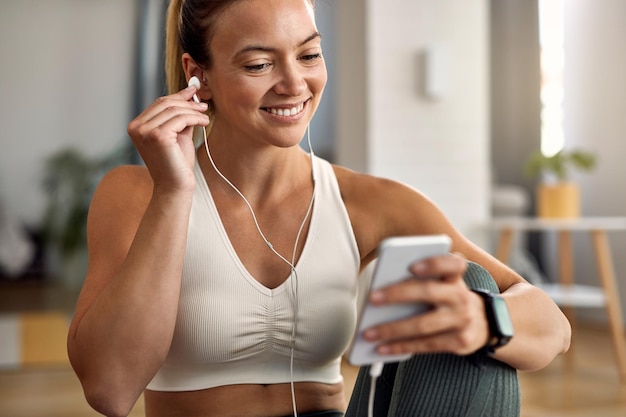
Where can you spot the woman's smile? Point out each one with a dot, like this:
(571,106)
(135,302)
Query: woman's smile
(286,112)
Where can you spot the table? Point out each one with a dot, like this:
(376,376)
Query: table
(597,228)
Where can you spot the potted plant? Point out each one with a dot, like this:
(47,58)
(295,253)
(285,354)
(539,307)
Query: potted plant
(557,196)
(69,180)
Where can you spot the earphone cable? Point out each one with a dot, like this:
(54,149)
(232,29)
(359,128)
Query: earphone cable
(294,273)
(256,223)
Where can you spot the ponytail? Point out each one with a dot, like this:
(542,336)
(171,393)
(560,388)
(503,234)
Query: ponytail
(173,50)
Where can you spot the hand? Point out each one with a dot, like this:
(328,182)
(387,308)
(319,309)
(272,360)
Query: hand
(455,323)
(163,135)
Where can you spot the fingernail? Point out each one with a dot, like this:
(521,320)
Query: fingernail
(377,296)
(419,267)
(384,350)
(370,334)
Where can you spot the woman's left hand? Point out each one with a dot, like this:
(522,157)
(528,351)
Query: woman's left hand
(454,323)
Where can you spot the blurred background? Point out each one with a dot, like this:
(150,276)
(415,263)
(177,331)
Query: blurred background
(451,97)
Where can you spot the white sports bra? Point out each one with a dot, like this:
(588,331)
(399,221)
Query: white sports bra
(231,329)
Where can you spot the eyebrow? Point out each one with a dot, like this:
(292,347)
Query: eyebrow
(263,48)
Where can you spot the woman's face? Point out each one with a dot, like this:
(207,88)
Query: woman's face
(268,73)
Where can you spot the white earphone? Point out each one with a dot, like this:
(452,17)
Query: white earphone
(195,82)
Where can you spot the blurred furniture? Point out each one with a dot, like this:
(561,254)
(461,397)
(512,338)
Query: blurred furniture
(566,293)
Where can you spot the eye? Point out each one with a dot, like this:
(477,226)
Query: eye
(257,67)
(311,57)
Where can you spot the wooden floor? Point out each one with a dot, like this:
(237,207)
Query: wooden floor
(584,383)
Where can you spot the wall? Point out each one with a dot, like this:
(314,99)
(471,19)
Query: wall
(388,127)
(595,105)
(65,78)
(515,84)
(323,124)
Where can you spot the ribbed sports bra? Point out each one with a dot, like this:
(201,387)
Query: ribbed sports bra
(230,329)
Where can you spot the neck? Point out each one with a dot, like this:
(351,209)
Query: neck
(295,165)
(261,172)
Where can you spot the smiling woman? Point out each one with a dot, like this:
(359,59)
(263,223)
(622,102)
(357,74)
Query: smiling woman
(230,270)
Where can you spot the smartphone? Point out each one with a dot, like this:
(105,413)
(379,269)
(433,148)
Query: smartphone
(395,256)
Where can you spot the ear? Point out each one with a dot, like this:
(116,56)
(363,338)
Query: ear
(191,68)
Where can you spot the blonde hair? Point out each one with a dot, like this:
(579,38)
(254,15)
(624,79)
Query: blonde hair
(189,28)
(173,51)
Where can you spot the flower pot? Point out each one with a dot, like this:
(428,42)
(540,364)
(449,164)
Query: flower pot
(560,200)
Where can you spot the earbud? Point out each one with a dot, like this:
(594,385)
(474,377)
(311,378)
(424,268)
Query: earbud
(195,82)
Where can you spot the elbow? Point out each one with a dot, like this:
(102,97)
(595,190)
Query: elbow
(556,344)
(538,349)
(567,336)
(106,395)
(561,335)
(109,402)
(107,391)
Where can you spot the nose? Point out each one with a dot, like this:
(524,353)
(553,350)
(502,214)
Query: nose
(292,80)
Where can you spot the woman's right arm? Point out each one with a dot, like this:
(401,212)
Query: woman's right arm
(137,233)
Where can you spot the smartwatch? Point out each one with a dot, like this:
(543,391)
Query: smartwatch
(500,324)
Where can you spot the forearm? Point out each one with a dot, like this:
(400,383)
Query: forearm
(122,339)
(541,330)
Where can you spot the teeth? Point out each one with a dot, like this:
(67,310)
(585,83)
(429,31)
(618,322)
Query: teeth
(287,112)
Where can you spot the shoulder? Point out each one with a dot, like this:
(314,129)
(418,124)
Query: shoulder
(125,181)
(121,196)
(395,203)
(354,185)
(127,176)
(380,207)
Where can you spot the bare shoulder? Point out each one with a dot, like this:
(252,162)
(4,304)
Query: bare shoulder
(118,205)
(357,186)
(125,184)
(391,201)
(381,207)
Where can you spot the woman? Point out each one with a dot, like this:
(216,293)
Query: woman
(222,278)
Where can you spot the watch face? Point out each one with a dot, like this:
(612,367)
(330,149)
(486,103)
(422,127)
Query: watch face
(503,319)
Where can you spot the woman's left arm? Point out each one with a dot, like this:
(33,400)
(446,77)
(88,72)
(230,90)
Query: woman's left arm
(457,322)
(541,330)
(457,319)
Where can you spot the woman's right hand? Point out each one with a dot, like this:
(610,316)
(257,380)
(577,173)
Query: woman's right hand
(163,135)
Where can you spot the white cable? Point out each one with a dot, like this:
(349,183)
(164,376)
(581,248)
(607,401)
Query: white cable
(256,223)
(294,273)
(375,371)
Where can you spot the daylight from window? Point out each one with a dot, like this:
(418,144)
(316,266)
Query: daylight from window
(552,66)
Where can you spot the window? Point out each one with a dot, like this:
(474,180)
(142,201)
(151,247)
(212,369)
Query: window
(552,73)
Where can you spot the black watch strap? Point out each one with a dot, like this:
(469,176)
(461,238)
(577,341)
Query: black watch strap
(500,325)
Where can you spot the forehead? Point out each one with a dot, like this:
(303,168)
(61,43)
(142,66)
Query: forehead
(271,23)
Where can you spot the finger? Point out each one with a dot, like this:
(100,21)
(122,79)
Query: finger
(176,112)
(161,110)
(464,320)
(188,92)
(449,266)
(170,128)
(181,99)
(419,290)
(451,342)
(432,322)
